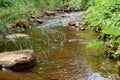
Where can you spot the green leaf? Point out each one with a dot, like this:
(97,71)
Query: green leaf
(94,44)
(111,30)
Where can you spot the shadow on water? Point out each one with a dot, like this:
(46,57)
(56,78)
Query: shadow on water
(62,55)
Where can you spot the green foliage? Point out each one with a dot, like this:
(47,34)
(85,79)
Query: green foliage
(105,14)
(49,4)
(80,4)
(5,3)
(94,44)
(14,9)
(111,30)
(11,10)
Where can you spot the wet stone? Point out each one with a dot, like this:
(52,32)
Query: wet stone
(58,9)
(82,28)
(39,21)
(33,16)
(17,35)
(49,13)
(17,60)
(72,23)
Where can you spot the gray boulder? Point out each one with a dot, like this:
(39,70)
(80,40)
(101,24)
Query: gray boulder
(17,60)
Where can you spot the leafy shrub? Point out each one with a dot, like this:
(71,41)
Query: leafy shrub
(80,4)
(106,15)
(5,3)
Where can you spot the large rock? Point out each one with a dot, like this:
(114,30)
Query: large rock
(17,60)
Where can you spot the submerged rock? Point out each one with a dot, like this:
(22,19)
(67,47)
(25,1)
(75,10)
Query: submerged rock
(17,60)
(73,40)
(73,28)
(17,35)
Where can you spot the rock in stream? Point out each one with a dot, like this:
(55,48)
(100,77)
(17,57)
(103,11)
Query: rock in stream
(17,60)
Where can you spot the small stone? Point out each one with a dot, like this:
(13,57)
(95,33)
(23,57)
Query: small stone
(72,23)
(73,40)
(82,28)
(32,16)
(39,21)
(49,13)
(58,9)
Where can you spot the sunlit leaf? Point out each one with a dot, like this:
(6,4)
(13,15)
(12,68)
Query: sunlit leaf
(95,44)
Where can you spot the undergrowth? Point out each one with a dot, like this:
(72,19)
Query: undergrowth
(12,11)
(104,17)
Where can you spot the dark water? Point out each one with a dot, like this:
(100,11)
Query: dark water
(62,55)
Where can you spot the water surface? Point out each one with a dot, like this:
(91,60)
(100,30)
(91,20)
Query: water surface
(62,55)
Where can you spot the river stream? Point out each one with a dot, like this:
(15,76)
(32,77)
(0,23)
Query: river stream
(62,54)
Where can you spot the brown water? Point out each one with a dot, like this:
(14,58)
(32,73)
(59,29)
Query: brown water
(60,59)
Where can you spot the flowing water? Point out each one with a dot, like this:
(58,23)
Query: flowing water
(62,55)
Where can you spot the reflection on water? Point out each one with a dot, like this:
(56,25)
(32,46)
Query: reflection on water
(59,59)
